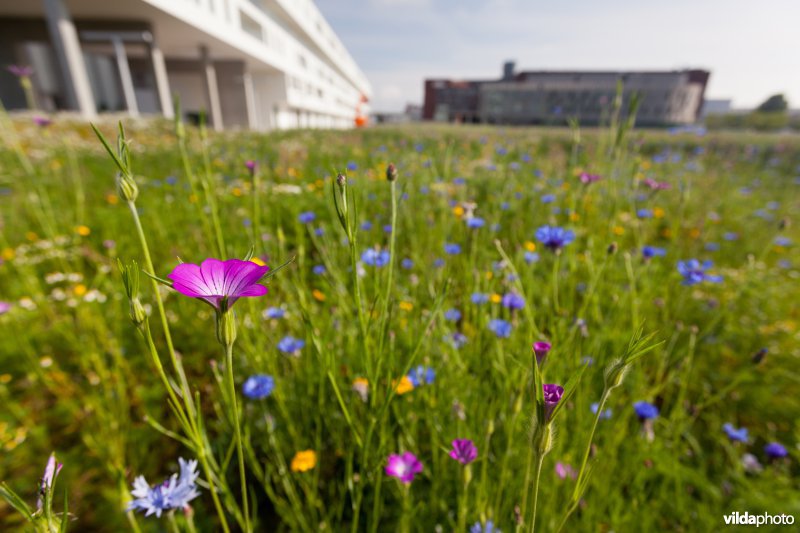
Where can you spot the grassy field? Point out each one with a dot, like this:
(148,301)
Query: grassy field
(425,339)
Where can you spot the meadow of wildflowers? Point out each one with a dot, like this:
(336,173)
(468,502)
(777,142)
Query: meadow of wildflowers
(414,329)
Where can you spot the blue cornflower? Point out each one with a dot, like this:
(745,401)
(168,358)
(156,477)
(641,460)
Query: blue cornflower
(505,206)
(605,415)
(479,298)
(648,252)
(775,450)
(258,386)
(783,241)
(290,345)
(513,301)
(531,257)
(457,339)
(319,232)
(452,248)
(171,180)
(174,493)
(712,246)
(475,222)
(438,262)
(477,527)
(318,269)
(459,181)
(645,410)
(306,217)
(694,272)
(351,165)
(500,327)
(554,237)
(453,315)
(274,312)
(422,375)
(548,198)
(373,257)
(731,236)
(366,225)
(737,435)
(407,263)
(387,228)
(644,213)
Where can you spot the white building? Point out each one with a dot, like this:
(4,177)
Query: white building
(259,64)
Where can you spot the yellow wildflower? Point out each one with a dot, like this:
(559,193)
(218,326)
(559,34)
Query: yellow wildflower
(304,461)
(406,306)
(83,231)
(318,295)
(403,386)
(530,246)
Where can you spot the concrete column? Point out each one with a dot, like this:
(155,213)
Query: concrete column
(70,58)
(125,76)
(212,89)
(250,101)
(162,81)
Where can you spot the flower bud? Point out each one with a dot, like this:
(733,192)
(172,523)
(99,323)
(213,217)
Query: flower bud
(341,180)
(615,373)
(391,172)
(226,327)
(612,248)
(543,438)
(138,314)
(126,185)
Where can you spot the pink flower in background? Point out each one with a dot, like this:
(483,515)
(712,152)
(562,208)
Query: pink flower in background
(464,451)
(563,470)
(219,282)
(404,467)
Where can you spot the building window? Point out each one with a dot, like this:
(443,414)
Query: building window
(250,26)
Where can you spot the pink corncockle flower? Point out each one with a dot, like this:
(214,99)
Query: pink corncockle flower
(564,470)
(219,283)
(20,71)
(655,184)
(403,467)
(587,178)
(42,121)
(464,451)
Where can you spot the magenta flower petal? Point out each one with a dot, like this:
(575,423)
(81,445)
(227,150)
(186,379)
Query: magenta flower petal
(214,280)
(186,279)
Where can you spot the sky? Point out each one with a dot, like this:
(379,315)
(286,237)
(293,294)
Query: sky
(751,47)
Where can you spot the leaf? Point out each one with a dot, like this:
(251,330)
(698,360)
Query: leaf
(156,278)
(109,150)
(15,501)
(569,390)
(274,271)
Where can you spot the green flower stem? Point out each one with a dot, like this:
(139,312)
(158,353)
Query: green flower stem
(237,432)
(187,397)
(539,462)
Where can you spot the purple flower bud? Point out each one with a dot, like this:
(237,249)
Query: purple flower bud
(541,350)
(552,395)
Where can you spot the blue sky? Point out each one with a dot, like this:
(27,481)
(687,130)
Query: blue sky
(752,47)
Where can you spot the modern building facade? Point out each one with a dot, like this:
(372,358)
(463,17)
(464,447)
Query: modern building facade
(259,64)
(553,97)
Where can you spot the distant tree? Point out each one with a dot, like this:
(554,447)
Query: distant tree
(775,103)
